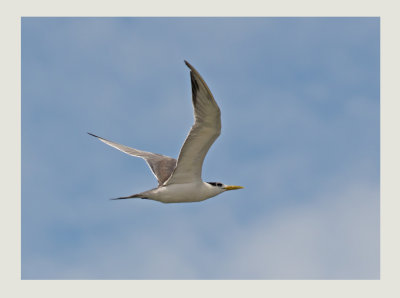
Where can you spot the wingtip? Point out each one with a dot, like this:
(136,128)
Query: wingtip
(188,64)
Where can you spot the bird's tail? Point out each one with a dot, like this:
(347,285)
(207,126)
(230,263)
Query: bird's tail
(129,197)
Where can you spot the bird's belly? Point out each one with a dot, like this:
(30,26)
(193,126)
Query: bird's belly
(178,193)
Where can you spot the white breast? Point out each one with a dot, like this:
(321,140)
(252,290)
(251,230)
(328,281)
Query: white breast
(188,192)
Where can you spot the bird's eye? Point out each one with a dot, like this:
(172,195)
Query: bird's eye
(219,184)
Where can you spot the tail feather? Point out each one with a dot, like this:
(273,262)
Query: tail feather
(129,197)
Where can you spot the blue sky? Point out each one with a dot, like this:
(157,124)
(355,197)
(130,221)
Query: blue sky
(300,131)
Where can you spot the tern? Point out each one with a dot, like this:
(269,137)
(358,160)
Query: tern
(180,180)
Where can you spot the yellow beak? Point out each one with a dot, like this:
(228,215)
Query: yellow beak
(232,187)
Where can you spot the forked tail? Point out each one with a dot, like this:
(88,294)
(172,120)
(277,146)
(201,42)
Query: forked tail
(130,197)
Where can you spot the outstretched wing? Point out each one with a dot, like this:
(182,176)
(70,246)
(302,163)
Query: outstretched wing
(205,130)
(161,165)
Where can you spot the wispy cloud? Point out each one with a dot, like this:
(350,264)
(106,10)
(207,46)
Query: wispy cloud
(300,112)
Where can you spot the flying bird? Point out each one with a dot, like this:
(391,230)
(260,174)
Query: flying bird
(180,180)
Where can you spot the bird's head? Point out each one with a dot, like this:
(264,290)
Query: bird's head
(224,187)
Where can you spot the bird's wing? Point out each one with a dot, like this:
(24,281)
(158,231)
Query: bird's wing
(205,130)
(162,166)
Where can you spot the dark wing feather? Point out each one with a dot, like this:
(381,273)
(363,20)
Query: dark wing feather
(205,130)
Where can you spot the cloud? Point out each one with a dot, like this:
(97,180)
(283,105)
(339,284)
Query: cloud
(302,138)
(333,237)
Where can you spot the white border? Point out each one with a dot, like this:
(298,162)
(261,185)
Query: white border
(11,284)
